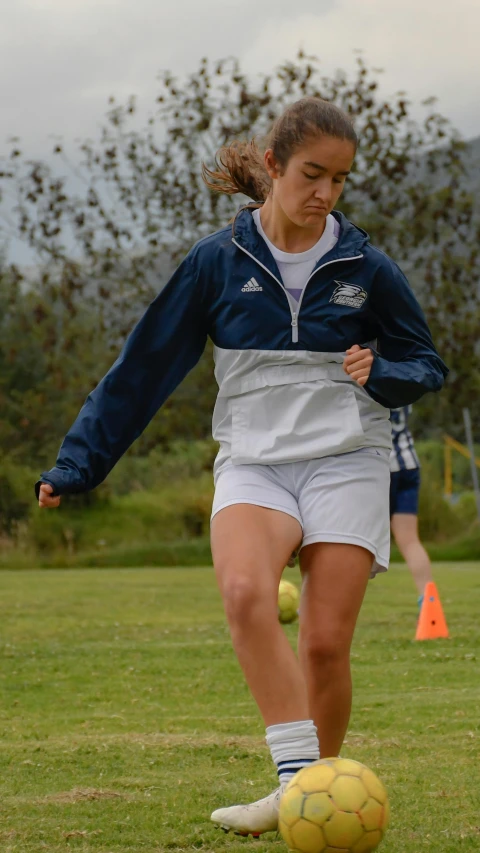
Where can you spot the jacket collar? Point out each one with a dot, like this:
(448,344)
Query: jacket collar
(350,242)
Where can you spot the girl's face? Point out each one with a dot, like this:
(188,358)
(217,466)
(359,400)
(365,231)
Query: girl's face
(309,187)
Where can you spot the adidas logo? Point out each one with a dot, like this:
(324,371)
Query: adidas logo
(251,286)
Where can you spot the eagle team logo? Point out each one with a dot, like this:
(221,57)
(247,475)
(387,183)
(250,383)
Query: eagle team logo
(348,294)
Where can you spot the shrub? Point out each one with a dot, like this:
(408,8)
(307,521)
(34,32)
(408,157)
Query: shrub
(181,461)
(16,494)
(466,509)
(438,520)
(432,453)
(178,511)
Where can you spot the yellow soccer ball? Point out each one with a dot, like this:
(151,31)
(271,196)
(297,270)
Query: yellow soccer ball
(288,601)
(334,806)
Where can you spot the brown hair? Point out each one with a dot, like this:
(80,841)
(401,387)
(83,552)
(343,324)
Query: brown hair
(239,167)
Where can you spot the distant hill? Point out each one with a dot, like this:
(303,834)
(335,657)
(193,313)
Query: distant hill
(472,163)
(471,179)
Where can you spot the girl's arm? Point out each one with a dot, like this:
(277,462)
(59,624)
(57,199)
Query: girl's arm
(166,343)
(407,364)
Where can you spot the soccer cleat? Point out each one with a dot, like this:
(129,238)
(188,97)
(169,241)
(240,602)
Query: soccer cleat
(253,819)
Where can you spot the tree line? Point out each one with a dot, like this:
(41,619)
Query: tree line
(107,223)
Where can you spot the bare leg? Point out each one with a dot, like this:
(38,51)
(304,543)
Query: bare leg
(335,580)
(405,531)
(251,546)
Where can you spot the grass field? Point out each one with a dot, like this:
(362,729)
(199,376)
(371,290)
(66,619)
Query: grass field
(125,720)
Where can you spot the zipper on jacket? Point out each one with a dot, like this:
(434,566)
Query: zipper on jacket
(294,314)
(314,272)
(294,328)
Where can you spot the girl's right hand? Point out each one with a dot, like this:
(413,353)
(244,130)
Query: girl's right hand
(44,499)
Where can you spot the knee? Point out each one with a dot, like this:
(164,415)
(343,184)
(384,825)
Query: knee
(323,648)
(242,600)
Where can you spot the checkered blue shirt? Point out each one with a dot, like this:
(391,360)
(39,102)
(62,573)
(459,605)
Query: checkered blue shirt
(403,456)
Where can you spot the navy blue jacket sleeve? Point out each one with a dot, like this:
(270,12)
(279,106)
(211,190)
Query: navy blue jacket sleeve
(407,364)
(165,344)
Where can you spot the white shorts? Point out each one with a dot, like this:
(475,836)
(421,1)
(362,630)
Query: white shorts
(342,498)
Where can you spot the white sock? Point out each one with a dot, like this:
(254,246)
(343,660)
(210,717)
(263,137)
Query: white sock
(293,746)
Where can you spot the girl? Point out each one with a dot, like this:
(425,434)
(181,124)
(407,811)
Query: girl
(404,492)
(293,296)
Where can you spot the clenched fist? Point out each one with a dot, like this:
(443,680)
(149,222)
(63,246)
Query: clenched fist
(358,363)
(45,499)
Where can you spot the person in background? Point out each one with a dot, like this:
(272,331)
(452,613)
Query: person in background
(404,493)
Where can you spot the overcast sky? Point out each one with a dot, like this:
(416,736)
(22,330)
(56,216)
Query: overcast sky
(61,59)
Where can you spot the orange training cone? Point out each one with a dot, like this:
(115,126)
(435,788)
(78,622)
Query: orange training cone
(431,622)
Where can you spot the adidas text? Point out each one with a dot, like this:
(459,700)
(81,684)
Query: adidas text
(251,286)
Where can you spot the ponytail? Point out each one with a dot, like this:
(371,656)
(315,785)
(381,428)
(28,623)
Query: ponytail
(239,168)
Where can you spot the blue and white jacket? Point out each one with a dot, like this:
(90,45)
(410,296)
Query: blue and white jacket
(283,395)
